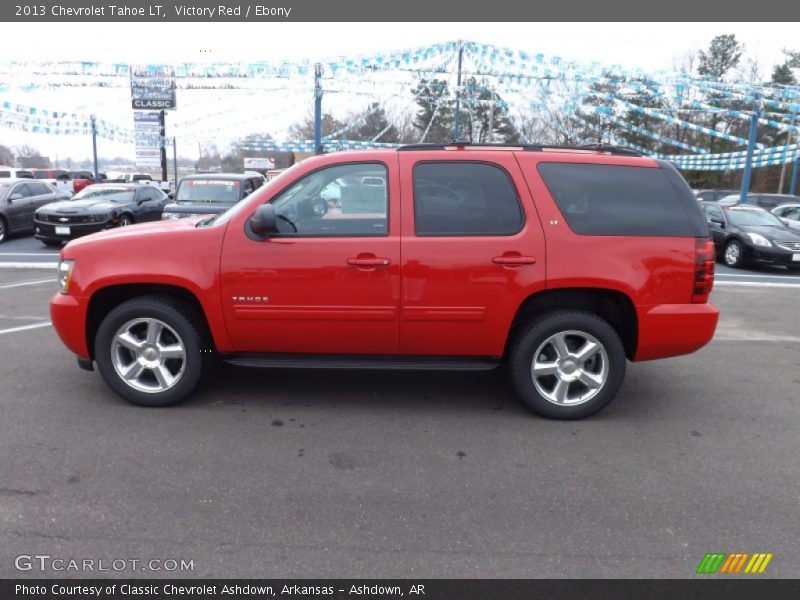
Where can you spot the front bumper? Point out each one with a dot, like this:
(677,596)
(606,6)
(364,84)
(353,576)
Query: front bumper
(68,315)
(769,255)
(674,329)
(47,231)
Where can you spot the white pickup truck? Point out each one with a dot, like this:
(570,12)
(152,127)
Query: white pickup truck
(144,178)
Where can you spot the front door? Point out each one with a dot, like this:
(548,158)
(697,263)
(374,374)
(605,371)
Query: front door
(329,282)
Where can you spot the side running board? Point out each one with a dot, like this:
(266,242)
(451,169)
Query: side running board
(354,361)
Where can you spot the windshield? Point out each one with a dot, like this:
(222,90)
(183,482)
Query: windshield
(237,208)
(105,194)
(754,217)
(193,191)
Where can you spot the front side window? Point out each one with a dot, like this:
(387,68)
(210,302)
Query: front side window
(344,200)
(465,199)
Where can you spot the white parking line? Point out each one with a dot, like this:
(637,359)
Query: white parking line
(25,327)
(756,284)
(28,265)
(28,253)
(5,286)
(793,278)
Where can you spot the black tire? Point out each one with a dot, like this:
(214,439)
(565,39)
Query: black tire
(125,220)
(3,230)
(190,330)
(51,243)
(735,246)
(536,333)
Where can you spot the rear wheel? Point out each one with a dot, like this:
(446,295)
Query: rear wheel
(152,350)
(733,255)
(567,364)
(3,230)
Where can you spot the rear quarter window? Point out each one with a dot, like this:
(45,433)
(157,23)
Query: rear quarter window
(617,200)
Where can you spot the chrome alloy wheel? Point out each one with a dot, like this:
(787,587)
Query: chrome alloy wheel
(148,355)
(569,368)
(732,253)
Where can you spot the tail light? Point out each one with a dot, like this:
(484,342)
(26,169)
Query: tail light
(704,258)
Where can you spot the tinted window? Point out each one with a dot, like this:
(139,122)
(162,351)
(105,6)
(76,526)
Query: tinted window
(335,202)
(40,189)
(5,173)
(746,217)
(768,201)
(464,198)
(616,200)
(105,194)
(193,191)
(24,174)
(21,189)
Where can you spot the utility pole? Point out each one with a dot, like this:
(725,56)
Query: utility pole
(783,166)
(491,119)
(751,146)
(795,169)
(318,108)
(163,132)
(94,148)
(175,161)
(457,120)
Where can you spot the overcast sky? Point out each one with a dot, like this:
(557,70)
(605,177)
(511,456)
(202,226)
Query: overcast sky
(650,46)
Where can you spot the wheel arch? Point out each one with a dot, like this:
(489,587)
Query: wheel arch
(107,298)
(613,306)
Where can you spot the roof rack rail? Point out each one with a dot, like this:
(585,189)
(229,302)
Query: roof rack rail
(598,147)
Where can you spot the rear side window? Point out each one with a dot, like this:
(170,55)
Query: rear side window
(25,175)
(616,200)
(465,199)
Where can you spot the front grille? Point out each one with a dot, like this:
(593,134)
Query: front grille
(790,246)
(70,219)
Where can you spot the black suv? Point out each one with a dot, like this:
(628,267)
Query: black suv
(210,194)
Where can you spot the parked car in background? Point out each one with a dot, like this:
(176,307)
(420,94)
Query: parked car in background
(712,195)
(14,173)
(789,214)
(210,193)
(97,207)
(19,199)
(768,201)
(144,178)
(746,234)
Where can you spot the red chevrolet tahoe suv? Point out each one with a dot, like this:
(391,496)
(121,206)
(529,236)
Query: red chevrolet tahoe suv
(561,262)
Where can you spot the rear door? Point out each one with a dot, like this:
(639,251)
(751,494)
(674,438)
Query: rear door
(472,247)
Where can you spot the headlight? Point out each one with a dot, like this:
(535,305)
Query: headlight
(168,215)
(65,275)
(758,239)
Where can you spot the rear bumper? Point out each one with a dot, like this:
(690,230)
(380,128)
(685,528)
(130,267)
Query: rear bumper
(68,315)
(674,329)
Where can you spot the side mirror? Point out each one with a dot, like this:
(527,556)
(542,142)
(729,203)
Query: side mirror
(718,223)
(171,195)
(264,222)
(15,196)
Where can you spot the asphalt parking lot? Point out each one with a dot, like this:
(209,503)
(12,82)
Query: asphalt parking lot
(347,474)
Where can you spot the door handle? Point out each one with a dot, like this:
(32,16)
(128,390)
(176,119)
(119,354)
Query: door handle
(372,261)
(514,260)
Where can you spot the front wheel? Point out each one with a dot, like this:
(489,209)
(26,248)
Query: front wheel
(567,364)
(152,350)
(733,254)
(125,220)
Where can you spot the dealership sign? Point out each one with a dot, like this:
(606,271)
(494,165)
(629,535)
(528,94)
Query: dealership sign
(147,136)
(258,163)
(152,87)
